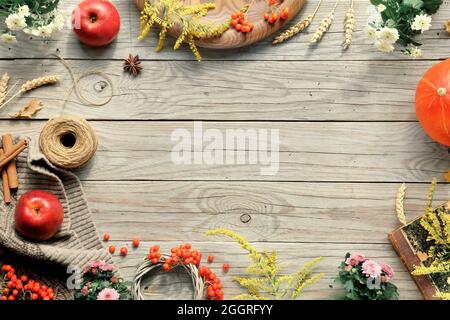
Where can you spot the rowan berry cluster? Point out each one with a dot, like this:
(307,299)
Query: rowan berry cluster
(239,22)
(276,13)
(23,288)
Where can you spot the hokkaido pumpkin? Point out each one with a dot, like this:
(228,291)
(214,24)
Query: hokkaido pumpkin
(433,102)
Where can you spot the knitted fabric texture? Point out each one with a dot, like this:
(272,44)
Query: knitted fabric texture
(77,242)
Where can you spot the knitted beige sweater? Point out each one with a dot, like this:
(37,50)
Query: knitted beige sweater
(77,242)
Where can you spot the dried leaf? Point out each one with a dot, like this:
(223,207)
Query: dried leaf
(422,256)
(33,107)
(447,176)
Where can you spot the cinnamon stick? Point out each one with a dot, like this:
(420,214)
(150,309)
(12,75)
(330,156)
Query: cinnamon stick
(11,168)
(13,153)
(5,184)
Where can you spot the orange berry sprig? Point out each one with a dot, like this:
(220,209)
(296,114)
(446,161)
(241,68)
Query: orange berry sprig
(272,17)
(154,255)
(276,12)
(23,288)
(185,255)
(239,22)
(213,283)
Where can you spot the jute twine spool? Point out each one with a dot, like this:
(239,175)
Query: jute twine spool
(68,141)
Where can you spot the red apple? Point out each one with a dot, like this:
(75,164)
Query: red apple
(39,215)
(96,22)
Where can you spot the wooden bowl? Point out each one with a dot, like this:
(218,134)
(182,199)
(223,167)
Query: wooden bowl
(232,38)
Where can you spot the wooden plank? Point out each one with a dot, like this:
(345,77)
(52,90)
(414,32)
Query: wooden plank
(262,211)
(292,255)
(435,41)
(347,151)
(294,91)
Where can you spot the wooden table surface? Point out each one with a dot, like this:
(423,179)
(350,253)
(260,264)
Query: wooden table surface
(348,138)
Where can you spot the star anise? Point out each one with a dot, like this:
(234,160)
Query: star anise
(132,65)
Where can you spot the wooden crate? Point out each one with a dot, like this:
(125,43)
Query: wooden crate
(409,257)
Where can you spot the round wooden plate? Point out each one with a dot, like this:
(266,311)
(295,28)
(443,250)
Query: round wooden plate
(232,38)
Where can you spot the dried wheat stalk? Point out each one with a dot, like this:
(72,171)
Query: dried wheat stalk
(297,28)
(38,82)
(399,204)
(33,84)
(4,87)
(349,27)
(324,26)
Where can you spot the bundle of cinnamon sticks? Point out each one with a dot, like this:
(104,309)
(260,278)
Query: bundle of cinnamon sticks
(8,169)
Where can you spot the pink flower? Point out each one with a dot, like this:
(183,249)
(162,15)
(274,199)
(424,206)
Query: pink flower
(388,271)
(114,280)
(348,268)
(107,267)
(108,294)
(355,259)
(85,291)
(371,269)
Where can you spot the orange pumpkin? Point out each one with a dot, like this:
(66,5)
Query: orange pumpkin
(433,102)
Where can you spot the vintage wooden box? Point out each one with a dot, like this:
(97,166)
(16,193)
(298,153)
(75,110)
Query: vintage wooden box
(410,243)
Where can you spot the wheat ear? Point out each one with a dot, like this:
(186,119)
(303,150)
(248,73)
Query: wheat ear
(297,28)
(324,26)
(3,88)
(33,84)
(38,82)
(399,208)
(349,26)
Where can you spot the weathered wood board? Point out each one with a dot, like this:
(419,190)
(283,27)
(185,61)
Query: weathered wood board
(348,137)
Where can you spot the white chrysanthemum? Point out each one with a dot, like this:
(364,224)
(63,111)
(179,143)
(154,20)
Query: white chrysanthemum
(371,33)
(381,7)
(58,21)
(24,11)
(416,52)
(389,35)
(422,22)
(8,38)
(44,31)
(15,22)
(384,46)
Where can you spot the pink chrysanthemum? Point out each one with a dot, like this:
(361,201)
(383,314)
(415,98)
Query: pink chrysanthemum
(371,269)
(108,294)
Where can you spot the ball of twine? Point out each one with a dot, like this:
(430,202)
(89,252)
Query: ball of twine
(68,141)
(147,267)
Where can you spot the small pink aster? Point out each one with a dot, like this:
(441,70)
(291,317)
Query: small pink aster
(108,294)
(371,269)
(355,259)
(85,291)
(107,267)
(388,270)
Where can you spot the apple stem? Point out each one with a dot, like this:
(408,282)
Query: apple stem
(442,92)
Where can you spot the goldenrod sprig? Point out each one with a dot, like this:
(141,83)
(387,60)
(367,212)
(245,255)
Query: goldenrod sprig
(265,279)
